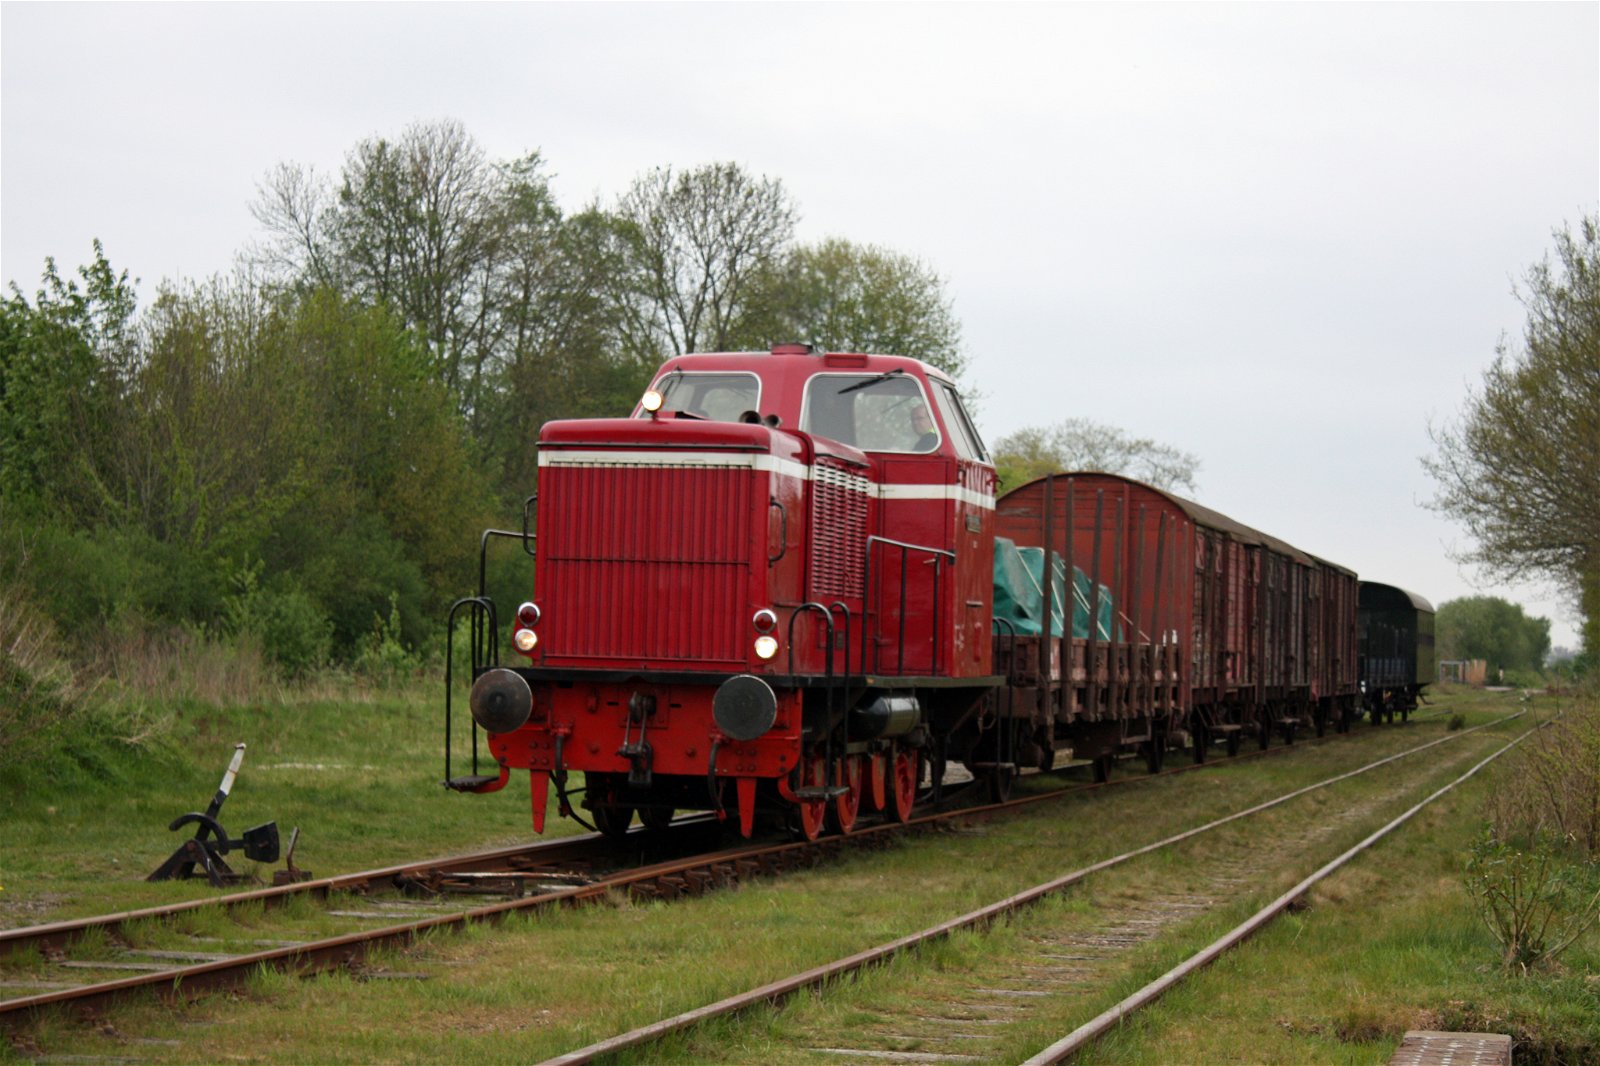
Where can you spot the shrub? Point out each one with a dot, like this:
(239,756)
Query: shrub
(1534,900)
(1552,784)
(294,633)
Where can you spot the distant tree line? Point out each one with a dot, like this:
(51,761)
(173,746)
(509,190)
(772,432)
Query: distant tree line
(309,446)
(1494,630)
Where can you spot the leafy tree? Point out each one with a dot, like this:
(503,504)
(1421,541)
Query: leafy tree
(1490,628)
(1083,444)
(852,297)
(1521,468)
(694,243)
(65,361)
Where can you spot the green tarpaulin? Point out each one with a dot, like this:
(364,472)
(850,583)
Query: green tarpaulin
(1019,592)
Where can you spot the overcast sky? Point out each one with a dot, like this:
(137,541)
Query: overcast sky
(1280,236)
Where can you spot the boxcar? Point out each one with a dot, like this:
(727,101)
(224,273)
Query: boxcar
(1396,649)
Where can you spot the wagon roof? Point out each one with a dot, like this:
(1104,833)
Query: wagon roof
(1202,515)
(1376,595)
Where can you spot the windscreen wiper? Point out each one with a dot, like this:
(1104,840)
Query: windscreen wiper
(885,376)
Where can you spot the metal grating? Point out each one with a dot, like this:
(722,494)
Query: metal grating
(648,563)
(838,532)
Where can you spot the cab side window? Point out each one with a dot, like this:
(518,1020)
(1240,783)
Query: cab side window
(968,444)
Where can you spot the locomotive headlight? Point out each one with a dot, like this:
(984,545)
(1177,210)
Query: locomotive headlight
(525,641)
(765,620)
(528,614)
(766,646)
(651,401)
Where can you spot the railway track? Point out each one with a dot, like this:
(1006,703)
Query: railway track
(1064,964)
(564,872)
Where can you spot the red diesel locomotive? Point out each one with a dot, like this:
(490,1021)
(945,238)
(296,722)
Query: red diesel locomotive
(785,586)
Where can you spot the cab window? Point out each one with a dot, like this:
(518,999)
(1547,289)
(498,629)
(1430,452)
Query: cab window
(873,412)
(717,397)
(968,444)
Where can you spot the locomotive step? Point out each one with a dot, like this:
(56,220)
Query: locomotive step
(471,782)
(819,793)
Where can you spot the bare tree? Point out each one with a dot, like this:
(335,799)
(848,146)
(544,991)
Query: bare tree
(1082,444)
(853,297)
(694,241)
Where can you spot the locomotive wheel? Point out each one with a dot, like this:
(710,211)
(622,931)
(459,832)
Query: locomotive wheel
(903,790)
(613,822)
(876,785)
(809,815)
(655,819)
(842,811)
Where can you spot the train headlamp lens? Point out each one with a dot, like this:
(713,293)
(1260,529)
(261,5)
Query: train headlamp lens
(765,620)
(766,647)
(651,401)
(525,640)
(528,614)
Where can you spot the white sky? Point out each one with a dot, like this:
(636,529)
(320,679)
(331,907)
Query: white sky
(1280,236)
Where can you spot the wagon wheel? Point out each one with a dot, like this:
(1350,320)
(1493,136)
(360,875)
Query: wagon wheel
(1288,731)
(1235,739)
(807,816)
(1047,757)
(842,811)
(1264,733)
(613,821)
(903,784)
(1200,737)
(656,819)
(1155,753)
(1321,718)
(999,781)
(1102,768)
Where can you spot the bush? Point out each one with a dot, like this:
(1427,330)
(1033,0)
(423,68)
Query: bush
(1553,784)
(1535,901)
(294,633)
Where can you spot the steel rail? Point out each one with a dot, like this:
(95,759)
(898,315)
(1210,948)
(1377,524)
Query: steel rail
(778,990)
(55,936)
(686,876)
(1112,1016)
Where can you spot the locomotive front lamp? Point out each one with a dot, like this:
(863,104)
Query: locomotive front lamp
(525,640)
(528,614)
(765,621)
(651,401)
(766,646)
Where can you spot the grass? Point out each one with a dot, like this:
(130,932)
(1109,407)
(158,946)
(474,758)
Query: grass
(535,986)
(358,772)
(1384,945)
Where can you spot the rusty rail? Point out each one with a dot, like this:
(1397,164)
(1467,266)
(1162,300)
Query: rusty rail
(818,976)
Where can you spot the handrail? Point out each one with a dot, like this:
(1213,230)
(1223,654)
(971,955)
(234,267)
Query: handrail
(939,555)
(485,654)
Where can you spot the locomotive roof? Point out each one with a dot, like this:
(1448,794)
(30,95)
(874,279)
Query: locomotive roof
(783,352)
(1375,595)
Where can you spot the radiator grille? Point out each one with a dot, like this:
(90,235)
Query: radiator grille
(838,532)
(648,563)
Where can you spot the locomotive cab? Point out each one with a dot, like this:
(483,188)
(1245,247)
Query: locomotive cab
(766,590)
